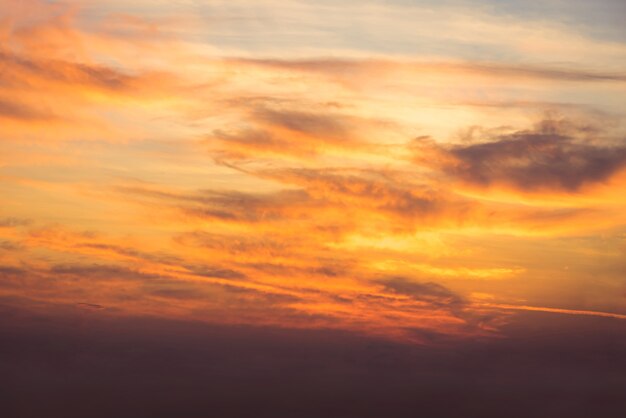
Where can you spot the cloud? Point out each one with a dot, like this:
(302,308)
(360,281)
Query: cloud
(69,73)
(555,310)
(292,128)
(13,222)
(287,188)
(139,258)
(250,207)
(322,126)
(89,306)
(549,157)
(9,246)
(10,271)
(98,271)
(367,189)
(12,110)
(61,82)
(243,143)
(329,204)
(221,273)
(238,244)
(430,292)
(130,288)
(347,68)
(231,205)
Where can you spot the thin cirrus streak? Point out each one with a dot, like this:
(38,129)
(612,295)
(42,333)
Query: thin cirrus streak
(554,310)
(155,165)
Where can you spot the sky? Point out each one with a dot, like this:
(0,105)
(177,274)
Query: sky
(416,184)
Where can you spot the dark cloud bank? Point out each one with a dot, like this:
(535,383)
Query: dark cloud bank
(85,363)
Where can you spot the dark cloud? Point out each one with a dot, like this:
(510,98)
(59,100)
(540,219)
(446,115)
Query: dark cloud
(316,197)
(85,305)
(222,300)
(112,272)
(10,271)
(372,192)
(237,244)
(215,272)
(134,253)
(320,271)
(373,188)
(548,157)
(429,292)
(177,292)
(531,161)
(78,281)
(98,271)
(267,248)
(260,299)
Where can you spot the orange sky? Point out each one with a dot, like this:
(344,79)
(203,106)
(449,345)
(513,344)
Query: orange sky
(161,164)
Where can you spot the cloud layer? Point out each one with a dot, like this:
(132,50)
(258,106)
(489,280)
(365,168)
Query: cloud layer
(155,166)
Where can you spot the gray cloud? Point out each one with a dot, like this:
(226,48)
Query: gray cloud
(550,156)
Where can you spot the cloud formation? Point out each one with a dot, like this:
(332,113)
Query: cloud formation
(551,157)
(398,209)
(165,174)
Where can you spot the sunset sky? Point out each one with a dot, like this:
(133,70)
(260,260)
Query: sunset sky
(418,173)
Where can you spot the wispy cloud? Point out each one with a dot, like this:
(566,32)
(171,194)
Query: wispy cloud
(554,310)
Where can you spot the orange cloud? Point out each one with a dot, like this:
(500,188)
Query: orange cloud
(371,195)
